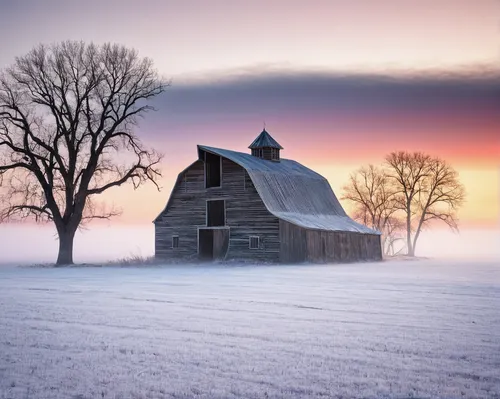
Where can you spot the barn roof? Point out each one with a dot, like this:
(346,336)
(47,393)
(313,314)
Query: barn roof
(264,139)
(294,193)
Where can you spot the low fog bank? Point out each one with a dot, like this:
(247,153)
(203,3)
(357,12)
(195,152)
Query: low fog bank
(26,244)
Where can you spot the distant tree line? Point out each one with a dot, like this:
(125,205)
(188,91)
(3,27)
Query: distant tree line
(403,196)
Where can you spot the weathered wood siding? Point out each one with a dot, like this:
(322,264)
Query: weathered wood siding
(246,215)
(318,246)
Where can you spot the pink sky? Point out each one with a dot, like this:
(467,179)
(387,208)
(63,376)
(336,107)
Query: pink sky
(198,37)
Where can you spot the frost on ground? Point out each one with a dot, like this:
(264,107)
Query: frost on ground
(388,330)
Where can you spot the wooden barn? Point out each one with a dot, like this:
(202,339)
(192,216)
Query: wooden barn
(232,205)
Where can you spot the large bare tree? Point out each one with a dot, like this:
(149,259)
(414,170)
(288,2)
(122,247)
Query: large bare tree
(375,204)
(67,118)
(427,189)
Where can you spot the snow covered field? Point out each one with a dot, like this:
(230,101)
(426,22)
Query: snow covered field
(389,330)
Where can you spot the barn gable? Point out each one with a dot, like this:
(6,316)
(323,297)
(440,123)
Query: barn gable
(185,217)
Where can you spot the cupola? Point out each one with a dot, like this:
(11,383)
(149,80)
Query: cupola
(265,147)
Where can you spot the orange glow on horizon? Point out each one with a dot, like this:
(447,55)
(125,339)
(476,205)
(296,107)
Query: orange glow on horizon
(481,209)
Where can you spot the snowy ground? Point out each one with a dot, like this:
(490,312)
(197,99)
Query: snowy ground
(396,329)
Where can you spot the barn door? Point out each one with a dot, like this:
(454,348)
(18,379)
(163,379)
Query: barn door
(213,243)
(206,244)
(221,243)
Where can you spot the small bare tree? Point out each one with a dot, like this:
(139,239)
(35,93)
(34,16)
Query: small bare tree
(405,195)
(427,188)
(408,172)
(67,118)
(370,190)
(440,197)
(393,231)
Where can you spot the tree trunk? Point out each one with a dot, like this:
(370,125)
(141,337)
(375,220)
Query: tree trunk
(65,255)
(415,241)
(419,227)
(385,248)
(408,232)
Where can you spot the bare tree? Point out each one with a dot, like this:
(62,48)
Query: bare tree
(67,118)
(370,190)
(408,172)
(441,196)
(406,194)
(427,189)
(393,232)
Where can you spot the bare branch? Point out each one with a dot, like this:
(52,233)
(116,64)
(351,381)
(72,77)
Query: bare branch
(375,202)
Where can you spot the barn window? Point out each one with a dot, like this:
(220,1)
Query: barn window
(258,152)
(212,170)
(175,241)
(216,213)
(254,242)
(247,182)
(275,154)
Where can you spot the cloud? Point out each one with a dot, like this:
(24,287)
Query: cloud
(287,89)
(459,108)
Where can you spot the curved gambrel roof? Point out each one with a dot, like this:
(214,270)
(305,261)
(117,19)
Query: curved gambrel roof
(294,193)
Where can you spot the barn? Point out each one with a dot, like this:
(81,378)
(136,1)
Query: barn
(258,206)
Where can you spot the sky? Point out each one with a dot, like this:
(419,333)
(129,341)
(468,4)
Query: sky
(339,84)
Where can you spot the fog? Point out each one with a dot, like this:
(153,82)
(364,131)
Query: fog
(27,243)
